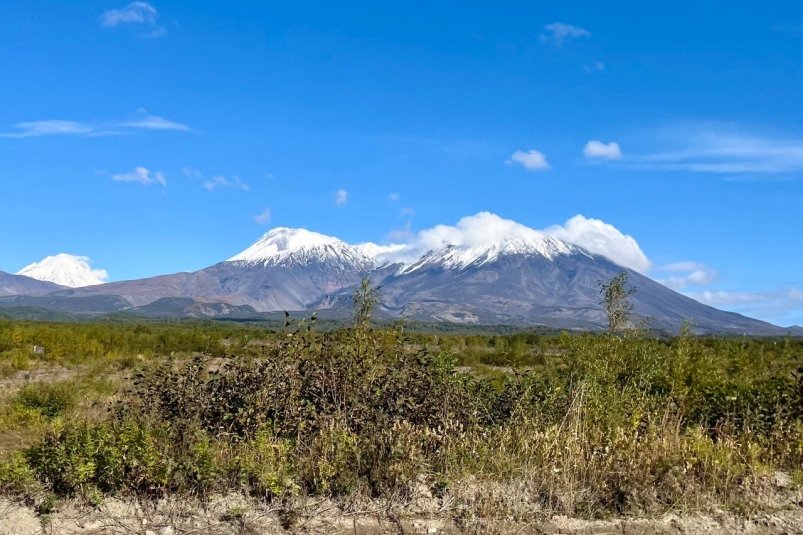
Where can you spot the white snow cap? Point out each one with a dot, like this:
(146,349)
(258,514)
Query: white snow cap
(67,270)
(281,242)
(300,246)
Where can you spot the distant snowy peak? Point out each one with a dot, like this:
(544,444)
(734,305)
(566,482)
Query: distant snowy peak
(289,246)
(66,270)
(463,256)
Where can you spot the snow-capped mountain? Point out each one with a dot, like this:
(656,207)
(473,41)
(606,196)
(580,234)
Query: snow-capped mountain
(301,247)
(463,256)
(66,270)
(507,274)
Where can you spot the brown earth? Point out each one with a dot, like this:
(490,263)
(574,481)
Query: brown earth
(239,515)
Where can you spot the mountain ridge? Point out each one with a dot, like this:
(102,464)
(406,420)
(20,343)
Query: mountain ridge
(525,278)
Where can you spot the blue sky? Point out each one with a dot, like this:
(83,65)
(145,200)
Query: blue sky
(166,136)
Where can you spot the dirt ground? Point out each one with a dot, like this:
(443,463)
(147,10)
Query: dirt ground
(239,515)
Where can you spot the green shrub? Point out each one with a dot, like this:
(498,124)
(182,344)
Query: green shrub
(17,477)
(48,399)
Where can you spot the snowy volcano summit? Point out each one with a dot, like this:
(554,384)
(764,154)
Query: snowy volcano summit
(297,246)
(453,256)
(66,270)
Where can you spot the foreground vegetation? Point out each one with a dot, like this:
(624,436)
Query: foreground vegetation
(586,424)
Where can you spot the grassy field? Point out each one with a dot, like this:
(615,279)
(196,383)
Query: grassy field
(587,425)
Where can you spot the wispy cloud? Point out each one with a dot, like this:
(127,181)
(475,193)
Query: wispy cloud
(394,196)
(154,122)
(56,127)
(597,150)
(721,149)
(596,66)
(142,14)
(53,127)
(217,181)
(142,175)
(224,182)
(403,234)
(264,217)
(679,275)
(532,160)
(557,33)
(783,306)
(341,197)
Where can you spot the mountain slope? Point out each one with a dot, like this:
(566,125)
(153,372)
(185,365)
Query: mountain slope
(22,285)
(558,287)
(287,269)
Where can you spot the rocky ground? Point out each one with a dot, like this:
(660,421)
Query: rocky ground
(239,515)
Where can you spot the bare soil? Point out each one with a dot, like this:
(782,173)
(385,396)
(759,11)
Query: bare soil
(235,514)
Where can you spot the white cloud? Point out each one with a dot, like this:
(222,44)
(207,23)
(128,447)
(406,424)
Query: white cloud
(394,196)
(341,197)
(782,307)
(264,217)
(532,160)
(138,13)
(605,151)
(65,269)
(724,149)
(54,127)
(720,298)
(133,13)
(154,122)
(558,33)
(216,181)
(683,274)
(604,239)
(475,230)
(224,182)
(381,253)
(142,175)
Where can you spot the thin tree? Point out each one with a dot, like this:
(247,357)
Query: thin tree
(366,297)
(615,293)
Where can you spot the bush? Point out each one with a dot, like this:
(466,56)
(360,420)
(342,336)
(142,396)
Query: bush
(336,396)
(48,399)
(603,424)
(17,477)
